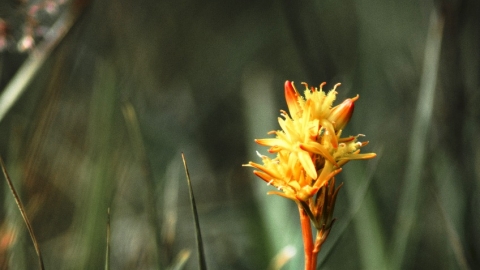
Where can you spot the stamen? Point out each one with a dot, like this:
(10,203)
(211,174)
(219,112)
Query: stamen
(322,85)
(270,183)
(305,84)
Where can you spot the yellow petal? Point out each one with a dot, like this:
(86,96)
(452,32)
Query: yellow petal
(274,143)
(269,171)
(307,164)
(347,139)
(330,132)
(288,196)
(359,156)
(324,178)
(319,149)
(265,177)
(267,142)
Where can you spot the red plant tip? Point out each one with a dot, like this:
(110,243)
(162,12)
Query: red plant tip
(340,115)
(291,96)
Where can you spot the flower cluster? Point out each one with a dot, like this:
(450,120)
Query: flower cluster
(310,150)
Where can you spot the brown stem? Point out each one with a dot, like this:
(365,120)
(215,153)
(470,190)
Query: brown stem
(307,239)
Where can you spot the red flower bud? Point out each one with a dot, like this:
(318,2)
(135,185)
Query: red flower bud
(340,115)
(291,96)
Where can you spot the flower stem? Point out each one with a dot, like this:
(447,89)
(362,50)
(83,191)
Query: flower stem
(310,262)
(318,245)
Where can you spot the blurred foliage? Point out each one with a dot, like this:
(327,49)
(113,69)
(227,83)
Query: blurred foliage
(135,83)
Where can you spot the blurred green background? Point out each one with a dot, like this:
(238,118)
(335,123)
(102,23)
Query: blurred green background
(133,84)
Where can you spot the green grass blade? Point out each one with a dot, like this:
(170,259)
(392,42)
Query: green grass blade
(452,234)
(367,224)
(180,260)
(408,202)
(139,151)
(202,265)
(24,214)
(101,145)
(107,253)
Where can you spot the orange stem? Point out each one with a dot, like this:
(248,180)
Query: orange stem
(316,249)
(307,239)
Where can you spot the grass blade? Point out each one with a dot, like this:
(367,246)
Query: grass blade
(180,260)
(24,215)
(18,84)
(107,253)
(452,234)
(201,254)
(410,195)
(138,146)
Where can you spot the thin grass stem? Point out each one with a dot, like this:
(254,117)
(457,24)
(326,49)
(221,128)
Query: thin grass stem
(24,214)
(107,252)
(202,265)
(452,234)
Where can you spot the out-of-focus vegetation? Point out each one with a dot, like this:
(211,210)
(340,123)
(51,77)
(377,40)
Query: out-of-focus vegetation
(133,84)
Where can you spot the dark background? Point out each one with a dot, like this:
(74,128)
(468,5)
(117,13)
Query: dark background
(134,84)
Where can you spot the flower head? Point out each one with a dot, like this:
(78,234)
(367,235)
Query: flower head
(309,148)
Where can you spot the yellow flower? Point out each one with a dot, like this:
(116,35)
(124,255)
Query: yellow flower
(309,149)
